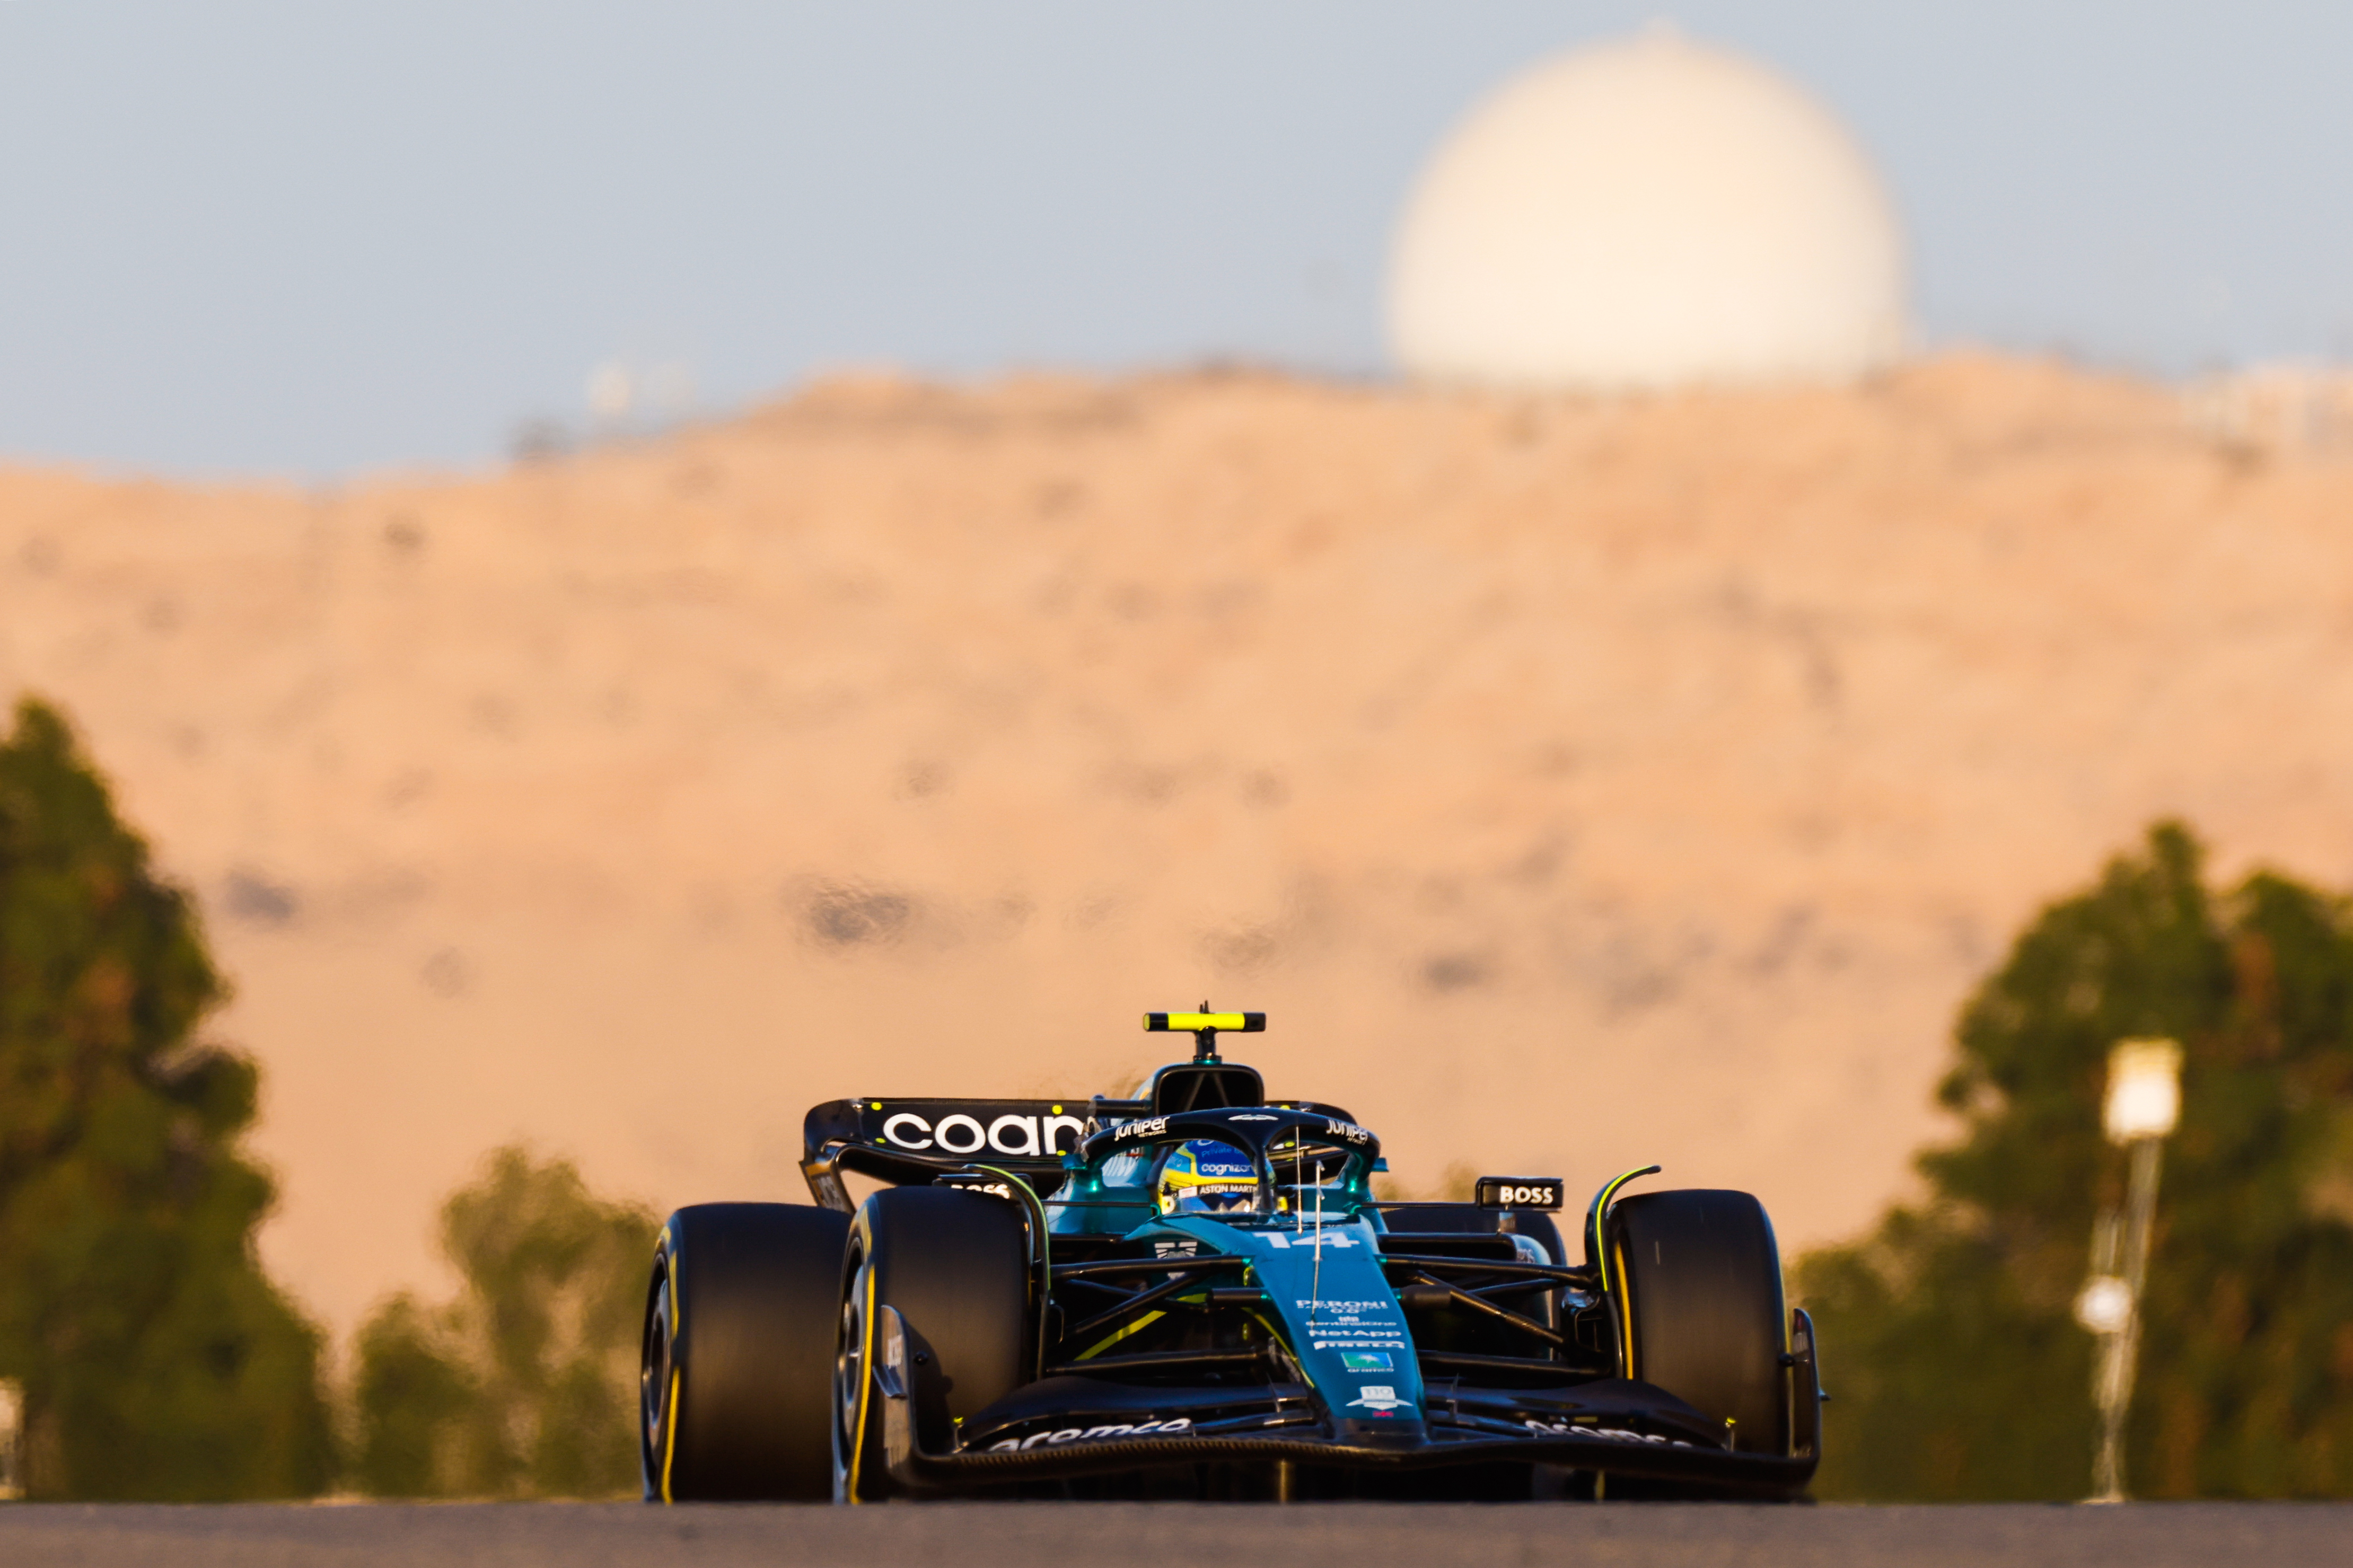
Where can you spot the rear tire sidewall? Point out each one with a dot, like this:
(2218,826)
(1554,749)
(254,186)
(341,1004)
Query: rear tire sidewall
(657,1375)
(735,1362)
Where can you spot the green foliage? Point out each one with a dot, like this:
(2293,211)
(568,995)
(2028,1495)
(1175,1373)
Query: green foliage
(1457,1184)
(158,1362)
(525,1385)
(1949,1333)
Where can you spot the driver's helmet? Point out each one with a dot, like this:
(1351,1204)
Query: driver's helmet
(1206,1177)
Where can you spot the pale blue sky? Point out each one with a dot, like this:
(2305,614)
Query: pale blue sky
(308,237)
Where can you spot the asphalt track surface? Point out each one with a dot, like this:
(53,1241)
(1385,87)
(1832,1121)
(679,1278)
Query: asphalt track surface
(1040,1535)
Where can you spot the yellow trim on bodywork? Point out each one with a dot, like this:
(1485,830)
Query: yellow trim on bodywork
(1602,1218)
(1148,1319)
(1177,1022)
(1626,1309)
(1040,1280)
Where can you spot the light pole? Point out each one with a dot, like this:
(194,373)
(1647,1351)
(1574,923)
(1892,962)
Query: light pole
(12,1439)
(2144,1102)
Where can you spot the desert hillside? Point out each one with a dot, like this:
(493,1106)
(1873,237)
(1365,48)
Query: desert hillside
(1576,783)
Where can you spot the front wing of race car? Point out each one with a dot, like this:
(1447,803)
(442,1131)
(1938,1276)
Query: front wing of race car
(1068,1426)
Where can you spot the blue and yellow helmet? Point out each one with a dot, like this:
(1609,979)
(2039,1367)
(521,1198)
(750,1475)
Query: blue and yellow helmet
(1206,1177)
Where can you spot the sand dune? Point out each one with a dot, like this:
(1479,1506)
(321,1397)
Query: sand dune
(1576,783)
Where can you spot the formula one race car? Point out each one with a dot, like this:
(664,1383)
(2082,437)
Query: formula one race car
(1196,1294)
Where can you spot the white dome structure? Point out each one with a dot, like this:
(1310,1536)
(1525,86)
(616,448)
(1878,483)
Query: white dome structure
(1647,214)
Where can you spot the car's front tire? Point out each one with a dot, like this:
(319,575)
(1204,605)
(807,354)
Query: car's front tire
(955,1266)
(1697,1278)
(736,1369)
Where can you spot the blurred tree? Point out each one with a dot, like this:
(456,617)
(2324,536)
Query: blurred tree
(1458,1183)
(1949,1333)
(158,1362)
(525,1385)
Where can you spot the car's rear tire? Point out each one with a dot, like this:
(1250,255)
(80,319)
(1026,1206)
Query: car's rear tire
(737,1371)
(1697,1277)
(956,1265)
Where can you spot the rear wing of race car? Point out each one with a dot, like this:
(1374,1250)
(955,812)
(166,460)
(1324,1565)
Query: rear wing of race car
(911,1143)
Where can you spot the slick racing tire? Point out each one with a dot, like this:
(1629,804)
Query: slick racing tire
(1697,1278)
(956,1265)
(736,1373)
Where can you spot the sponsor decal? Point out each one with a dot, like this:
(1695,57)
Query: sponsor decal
(992,1185)
(1146,1128)
(1518,1193)
(1175,1426)
(1366,1361)
(1380,1397)
(1253,1118)
(1603,1434)
(1335,1127)
(957,1133)
(1175,1250)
